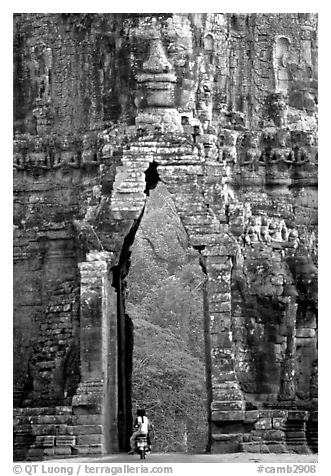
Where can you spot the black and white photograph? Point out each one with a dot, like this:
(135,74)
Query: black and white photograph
(165,243)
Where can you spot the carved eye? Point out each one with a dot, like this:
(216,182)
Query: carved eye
(176,49)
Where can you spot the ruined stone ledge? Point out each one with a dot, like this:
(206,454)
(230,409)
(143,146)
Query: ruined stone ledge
(231,415)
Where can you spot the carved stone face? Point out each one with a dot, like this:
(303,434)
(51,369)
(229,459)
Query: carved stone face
(162,60)
(65,143)
(254,141)
(38,145)
(282,138)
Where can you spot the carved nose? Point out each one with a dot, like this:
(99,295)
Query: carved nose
(157,61)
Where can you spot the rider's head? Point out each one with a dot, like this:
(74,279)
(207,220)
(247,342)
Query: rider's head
(141,412)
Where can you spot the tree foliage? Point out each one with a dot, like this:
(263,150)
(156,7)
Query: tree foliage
(165,305)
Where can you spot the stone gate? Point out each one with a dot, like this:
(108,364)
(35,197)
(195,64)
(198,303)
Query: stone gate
(222,109)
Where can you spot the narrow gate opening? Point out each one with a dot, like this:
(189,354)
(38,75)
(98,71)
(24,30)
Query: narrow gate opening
(164,302)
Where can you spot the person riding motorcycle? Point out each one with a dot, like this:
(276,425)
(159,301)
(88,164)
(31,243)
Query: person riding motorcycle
(141,427)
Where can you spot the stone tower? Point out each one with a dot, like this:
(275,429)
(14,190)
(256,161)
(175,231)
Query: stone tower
(222,108)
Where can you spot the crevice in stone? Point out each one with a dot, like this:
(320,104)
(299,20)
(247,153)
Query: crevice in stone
(152,177)
(206,320)
(125,324)
(124,341)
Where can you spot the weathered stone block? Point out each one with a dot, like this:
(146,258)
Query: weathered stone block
(254,447)
(226,443)
(49,451)
(228,395)
(84,430)
(251,416)
(263,424)
(86,420)
(297,415)
(52,419)
(227,405)
(305,332)
(62,450)
(314,416)
(48,429)
(277,448)
(273,413)
(88,450)
(45,441)
(65,440)
(268,435)
(233,415)
(278,423)
(89,439)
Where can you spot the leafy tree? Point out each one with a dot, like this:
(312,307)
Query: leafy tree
(165,305)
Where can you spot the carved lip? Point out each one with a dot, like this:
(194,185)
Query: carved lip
(164,78)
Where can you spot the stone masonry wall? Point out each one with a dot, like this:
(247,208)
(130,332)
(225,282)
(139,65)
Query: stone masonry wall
(222,108)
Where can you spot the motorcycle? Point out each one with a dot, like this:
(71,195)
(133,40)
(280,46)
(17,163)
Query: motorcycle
(141,446)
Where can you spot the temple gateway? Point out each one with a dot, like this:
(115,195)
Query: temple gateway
(221,109)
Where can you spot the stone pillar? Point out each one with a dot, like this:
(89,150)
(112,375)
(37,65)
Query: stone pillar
(97,391)
(227,406)
(287,388)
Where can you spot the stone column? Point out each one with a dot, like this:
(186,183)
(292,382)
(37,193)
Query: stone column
(287,378)
(97,391)
(227,405)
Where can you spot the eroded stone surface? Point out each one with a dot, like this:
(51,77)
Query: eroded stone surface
(222,108)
